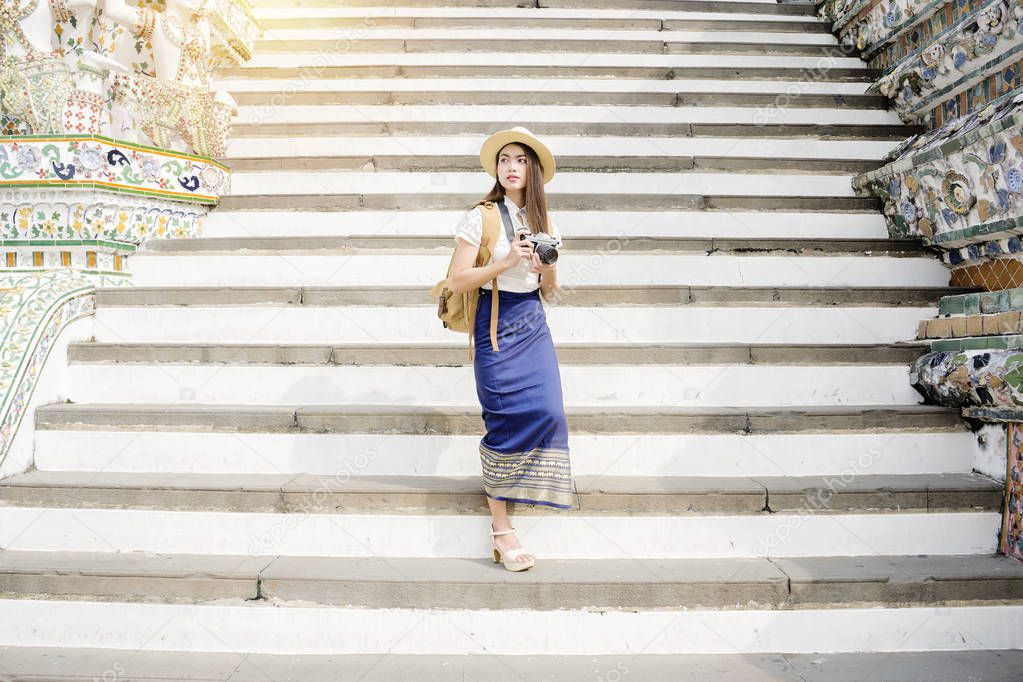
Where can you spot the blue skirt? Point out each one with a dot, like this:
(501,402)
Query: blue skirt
(525,450)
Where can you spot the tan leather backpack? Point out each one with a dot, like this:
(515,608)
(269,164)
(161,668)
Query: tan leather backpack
(458,312)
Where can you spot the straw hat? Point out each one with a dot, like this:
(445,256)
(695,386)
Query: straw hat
(493,144)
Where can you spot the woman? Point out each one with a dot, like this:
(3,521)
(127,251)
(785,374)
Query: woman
(524,453)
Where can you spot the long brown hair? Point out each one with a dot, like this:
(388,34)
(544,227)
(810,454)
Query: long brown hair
(534,194)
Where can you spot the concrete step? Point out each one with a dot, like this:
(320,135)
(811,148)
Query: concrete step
(499,33)
(253,124)
(409,419)
(589,295)
(604,152)
(256,192)
(731,6)
(95,520)
(642,495)
(868,248)
(647,384)
(422,355)
(545,20)
(273,162)
(422,268)
(552,97)
(254,74)
(197,452)
(312,62)
(569,116)
(229,322)
(333,40)
(605,224)
(573,43)
(370,582)
(150,666)
(517,87)
(249,632)
(611,190)
(511,12)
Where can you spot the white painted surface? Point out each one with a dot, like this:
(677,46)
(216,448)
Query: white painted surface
(315,60)
(51,385)
(605,386)
(722,224)
(240,629)
(512,12)
(554,536)
(624,324)
(280,111)
(613,39)
(575,268)
(990,451)
(648,454)
(442,182)
(527,85)
(451,145)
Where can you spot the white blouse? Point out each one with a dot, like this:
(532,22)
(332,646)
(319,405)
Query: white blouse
(518,278)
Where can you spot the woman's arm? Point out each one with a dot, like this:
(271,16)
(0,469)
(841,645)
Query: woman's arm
(465,276)
(549,282)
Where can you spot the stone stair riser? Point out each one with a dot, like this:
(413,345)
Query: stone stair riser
(220,456)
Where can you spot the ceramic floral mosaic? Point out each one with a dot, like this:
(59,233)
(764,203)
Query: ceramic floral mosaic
(989,89)
(981,42)
(873,25)
(915,40)
(83,215)
(94,161)
(34,308)
(931,53)
(987,377)
(960,186)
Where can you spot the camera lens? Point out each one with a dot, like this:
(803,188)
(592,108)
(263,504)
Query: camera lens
(548,254)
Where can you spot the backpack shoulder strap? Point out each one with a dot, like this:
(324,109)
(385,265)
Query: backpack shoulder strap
(491,229)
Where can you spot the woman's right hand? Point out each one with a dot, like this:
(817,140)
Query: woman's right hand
(521,249)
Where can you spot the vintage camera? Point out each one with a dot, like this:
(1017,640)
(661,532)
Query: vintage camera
(544,245)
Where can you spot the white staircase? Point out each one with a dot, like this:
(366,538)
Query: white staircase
(268,467)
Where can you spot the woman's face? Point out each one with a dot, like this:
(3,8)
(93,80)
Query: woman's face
(512,166)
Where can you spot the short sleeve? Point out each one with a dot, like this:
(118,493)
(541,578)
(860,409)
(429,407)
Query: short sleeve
(470,227)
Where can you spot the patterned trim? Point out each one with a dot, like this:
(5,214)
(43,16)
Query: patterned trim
(90,161)
(56,216)
(538,476)
(34,308)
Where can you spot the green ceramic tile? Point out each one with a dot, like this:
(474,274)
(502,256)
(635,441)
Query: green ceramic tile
(951,305)
(990,302)
(1007,342)
(1015,298)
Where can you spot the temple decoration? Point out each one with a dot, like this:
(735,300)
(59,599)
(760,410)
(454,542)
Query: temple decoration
(954,68)
(110,135)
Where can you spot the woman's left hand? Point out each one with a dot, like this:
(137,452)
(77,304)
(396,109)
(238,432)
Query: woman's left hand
(539,266)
